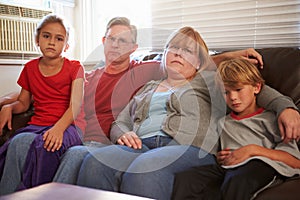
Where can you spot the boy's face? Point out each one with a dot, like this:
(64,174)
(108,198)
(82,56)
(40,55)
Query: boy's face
(242,98)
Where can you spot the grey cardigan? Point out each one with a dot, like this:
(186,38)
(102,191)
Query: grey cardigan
(192,111)
(190,116)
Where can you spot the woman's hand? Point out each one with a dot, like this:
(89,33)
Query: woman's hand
(53,139)
(130,139)
(289,124)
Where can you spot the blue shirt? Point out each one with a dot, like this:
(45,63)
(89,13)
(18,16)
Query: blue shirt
(157,113)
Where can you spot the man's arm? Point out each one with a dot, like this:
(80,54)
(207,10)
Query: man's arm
(248,54)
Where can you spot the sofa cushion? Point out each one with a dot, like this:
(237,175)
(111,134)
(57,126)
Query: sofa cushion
(282,70)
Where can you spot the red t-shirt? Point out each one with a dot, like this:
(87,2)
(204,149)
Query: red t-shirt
(51,94)
(107,94)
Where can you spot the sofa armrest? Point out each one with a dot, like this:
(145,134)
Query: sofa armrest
(18,121)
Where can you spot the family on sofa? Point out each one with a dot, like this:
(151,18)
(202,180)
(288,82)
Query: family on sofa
(168,126)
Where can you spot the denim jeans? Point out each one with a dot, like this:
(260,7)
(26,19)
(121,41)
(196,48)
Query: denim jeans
(157,141)
(69,167)
(143,172)
(14,163)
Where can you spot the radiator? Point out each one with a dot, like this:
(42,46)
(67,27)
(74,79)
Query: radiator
(17,26)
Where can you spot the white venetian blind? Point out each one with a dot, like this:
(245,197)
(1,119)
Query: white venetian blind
(230,24)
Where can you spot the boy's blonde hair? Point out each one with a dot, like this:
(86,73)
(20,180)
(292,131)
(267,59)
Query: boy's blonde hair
(238,71)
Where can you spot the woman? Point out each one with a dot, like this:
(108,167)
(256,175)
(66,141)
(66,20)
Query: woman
(178,114)
(165,112)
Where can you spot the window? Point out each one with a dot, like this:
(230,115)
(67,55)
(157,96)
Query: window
(230,24)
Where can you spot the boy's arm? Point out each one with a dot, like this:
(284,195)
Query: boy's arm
(251,150)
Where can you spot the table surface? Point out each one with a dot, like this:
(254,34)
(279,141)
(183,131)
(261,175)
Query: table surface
(60,191)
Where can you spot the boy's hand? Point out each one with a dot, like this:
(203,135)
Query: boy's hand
(222,155)
(239,155)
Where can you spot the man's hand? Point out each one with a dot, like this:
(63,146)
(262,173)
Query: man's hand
(289,124)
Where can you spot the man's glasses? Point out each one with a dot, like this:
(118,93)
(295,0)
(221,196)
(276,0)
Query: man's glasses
(120,41)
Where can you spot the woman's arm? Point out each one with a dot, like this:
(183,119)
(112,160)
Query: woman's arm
(286,110)
(123,123)
(248,54)
(54,136)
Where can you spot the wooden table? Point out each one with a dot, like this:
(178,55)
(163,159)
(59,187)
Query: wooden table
(60,191)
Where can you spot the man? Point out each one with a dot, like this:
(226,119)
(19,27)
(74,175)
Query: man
(107,92)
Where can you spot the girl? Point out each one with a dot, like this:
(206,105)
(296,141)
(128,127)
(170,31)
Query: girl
(55,84)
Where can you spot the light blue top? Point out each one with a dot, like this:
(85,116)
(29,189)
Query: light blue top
(152,125)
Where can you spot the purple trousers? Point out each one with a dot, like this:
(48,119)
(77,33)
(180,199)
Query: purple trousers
(41,165)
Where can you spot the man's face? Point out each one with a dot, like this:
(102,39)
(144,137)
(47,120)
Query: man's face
(118,45)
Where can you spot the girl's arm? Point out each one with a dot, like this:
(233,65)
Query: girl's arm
(53,137)
(20,105)
(251,150)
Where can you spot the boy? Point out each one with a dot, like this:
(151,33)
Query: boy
(252,154)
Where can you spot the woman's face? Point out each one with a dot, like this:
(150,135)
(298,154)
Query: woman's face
(182,58)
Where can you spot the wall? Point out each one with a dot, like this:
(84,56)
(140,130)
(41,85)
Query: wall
(8,79)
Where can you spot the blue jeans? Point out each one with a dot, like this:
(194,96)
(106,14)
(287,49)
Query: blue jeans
(71,162)
(148,173)
(14,163)
(69,167)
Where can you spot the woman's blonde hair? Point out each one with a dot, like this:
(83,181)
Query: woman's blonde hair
(187,34)
(238,71)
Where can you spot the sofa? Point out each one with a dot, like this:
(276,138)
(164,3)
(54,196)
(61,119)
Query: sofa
(282,72)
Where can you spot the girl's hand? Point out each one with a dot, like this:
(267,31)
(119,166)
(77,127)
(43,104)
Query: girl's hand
(237,156)
(53,139)
(130,139)
(5,117)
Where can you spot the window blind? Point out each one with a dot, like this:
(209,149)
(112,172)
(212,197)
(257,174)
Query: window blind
(230,24)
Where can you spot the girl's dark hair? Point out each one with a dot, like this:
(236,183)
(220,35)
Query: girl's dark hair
(52,18)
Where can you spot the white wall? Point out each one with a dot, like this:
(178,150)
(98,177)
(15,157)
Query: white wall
(8,78)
